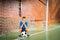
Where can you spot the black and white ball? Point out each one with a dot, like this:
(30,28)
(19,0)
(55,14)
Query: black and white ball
(24,34)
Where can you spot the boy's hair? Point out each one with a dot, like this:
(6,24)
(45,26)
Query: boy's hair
(23,18)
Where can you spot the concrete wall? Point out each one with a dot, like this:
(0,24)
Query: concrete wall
(9,16)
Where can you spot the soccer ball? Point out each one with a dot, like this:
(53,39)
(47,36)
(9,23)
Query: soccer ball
(24,34)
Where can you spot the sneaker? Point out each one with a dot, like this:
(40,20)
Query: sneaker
(28,35)
(20,36)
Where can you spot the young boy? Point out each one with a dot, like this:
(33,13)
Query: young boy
(23,26)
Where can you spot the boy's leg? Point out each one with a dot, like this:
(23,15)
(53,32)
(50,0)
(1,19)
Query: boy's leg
(27,31)
(20,31)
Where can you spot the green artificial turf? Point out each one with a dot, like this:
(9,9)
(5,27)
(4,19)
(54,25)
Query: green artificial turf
(10,36)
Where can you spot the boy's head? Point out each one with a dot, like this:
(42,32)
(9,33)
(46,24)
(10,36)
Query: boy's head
(23,18)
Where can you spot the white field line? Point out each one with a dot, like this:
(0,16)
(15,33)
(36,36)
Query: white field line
(44,31)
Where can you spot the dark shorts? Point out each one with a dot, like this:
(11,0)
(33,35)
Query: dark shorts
(23,29)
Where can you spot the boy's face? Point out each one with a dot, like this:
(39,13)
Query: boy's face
(24,19)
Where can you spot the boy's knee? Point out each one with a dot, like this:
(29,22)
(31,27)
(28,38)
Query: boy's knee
(26,30)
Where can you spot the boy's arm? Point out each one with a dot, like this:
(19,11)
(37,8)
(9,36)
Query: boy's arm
(20,24)
(27,24)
